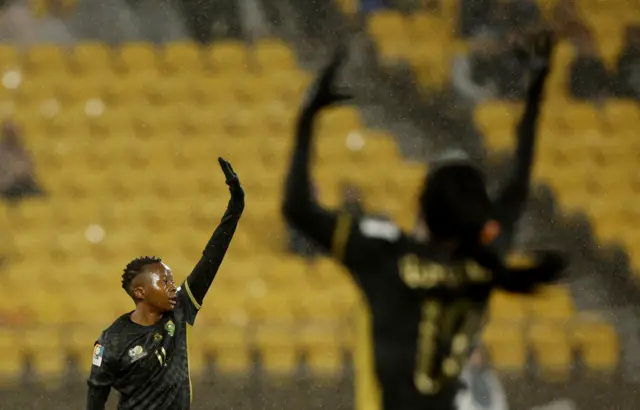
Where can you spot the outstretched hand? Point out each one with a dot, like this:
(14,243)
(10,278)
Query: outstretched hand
(537,54)
(322,93)
(231,178)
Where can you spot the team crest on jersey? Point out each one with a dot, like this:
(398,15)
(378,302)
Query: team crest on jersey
(136,353)
(98,352)
(157,337)
(170,328)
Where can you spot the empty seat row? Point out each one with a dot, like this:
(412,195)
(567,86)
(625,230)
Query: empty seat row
(173,58)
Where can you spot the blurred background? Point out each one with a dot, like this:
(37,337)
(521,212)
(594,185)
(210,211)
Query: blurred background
(113,113)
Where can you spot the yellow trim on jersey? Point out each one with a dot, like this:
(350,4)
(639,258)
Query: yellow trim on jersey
(193,300)
(367,394)
(189,361)
(341,236)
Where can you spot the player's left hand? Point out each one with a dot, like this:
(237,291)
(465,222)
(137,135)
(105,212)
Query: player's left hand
(231,178)
(323,93)
(538,50)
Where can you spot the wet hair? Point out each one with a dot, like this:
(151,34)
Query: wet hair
(455,203)
(134,268)
(456,206)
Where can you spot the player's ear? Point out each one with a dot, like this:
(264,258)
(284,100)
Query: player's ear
(489,232)
(138,293)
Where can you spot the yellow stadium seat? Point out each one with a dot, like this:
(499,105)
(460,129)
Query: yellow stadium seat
(196,350)
(277,347)
(323,351)
(182,58)
(552,350)
(36,90)
(425,26)
(11,363)
(497,115)
(598,344)
(46,354)
(129,89)
(332,313)
(387,26)
(339,121)
(79,345)
(230,349)
(506,346)
(170,90)
(505,306)
(90,58)
(9,58)
(274,55)
(272,308)
(621,115)
(552,303)
(227,57)
(572,118)
(216,92)
(82,89)
(45,59)
(137,57)
(287,88)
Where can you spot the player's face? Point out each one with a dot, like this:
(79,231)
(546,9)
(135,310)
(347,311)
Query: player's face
(159,288)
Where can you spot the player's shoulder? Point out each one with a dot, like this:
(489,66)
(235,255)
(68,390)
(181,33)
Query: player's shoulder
(114,336)
(379,227)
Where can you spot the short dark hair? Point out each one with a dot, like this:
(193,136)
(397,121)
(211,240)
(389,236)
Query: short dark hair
(134,268)
(455,202)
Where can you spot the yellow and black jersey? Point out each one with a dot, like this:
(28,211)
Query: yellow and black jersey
(424,304)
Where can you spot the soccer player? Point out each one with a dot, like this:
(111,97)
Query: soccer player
(143,354)
(426,298)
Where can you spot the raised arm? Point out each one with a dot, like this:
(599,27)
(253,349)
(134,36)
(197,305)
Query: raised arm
(299,207)
(512,198)
(199,281)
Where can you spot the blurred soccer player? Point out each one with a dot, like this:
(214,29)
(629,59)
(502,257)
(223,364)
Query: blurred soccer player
(427,297)
(143,354)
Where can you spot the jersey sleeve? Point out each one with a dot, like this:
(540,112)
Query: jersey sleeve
(188,304)
(102,376)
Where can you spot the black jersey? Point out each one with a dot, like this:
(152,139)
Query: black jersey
(426,304)
(148,365)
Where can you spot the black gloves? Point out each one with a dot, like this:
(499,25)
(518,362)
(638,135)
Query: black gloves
(322,93)
(231,179)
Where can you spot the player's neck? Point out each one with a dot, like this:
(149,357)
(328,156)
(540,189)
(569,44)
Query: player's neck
(145,315)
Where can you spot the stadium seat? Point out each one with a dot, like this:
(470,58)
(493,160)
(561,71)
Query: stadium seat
(504,306)
(621,115)
(11,359)
(278,349)
(274,55)
(230,349)
(497,121)
(598,345)
(90,58)
(182,59)
(387,26)
(552,303)
(552,350)
(227,57)
(46,355)
(45,60)
(506,345)
(323,352)
(79,346)
(137,57)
